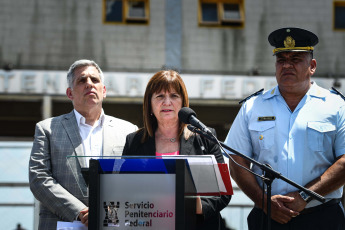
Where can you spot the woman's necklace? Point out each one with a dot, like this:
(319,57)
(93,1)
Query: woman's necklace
(169,139)
(160,136)
(172,140)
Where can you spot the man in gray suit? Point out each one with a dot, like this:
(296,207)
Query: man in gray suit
(86,131)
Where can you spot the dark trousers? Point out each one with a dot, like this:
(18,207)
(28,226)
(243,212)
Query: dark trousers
(331,217)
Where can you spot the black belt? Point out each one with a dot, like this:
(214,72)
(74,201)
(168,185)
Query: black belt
(321,206)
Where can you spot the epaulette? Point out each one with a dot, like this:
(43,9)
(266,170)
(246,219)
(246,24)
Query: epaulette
(335,91)
(250,96)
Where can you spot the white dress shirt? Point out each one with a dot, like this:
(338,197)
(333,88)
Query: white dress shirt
(92,136)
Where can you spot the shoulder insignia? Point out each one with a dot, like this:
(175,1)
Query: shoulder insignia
(335,91)
(250,96)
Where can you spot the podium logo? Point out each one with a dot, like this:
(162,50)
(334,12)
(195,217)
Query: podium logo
(111,218)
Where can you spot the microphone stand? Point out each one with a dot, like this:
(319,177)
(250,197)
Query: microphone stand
(269,172)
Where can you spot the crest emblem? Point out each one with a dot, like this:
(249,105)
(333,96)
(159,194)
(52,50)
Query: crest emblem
(111,218)
(289,42)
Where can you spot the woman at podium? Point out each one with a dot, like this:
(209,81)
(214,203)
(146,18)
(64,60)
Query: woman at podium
(164,134)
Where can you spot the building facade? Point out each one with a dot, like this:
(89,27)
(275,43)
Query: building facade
(205,39)
(220,48)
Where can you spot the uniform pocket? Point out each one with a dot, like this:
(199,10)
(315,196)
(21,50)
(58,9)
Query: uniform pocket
(319,135)
(263,133)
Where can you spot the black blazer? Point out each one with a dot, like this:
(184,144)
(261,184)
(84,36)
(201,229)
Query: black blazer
(195,145)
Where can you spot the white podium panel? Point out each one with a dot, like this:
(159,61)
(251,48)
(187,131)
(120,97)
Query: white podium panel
(147,201)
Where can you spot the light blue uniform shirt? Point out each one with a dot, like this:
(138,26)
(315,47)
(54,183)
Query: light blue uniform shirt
(301,144)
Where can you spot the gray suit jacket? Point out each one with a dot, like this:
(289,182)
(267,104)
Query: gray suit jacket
(51,179)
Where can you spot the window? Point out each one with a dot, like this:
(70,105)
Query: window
(339,15)
(228,13)
(126,11)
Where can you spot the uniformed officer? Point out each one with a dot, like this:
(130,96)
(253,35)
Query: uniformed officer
(298,128)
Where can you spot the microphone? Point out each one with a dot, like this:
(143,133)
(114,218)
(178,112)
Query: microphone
(188,116)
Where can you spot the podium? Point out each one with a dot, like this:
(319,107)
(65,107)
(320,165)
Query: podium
(146,192)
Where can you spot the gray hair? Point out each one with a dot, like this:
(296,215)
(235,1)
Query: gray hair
(81,63)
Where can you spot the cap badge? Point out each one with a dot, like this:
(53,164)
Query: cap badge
(289,42)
